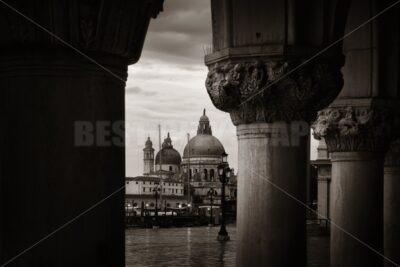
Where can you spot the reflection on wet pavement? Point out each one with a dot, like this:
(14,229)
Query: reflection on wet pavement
(197,247)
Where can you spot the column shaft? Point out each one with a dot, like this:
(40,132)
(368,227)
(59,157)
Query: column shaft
(47,176)
(271,223)
(356,209)
(392,215)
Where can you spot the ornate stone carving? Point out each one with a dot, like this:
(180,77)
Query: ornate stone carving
(354,128)
(269,91)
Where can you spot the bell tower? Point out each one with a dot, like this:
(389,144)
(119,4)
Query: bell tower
(148,157)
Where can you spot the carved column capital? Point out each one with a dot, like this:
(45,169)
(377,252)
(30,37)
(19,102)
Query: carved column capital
(355,128)
(256,91)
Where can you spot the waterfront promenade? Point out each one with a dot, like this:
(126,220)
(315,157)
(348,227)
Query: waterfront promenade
(197,246)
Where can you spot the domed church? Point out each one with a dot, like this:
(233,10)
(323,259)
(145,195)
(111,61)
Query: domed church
(168,159)
(201,157)
(202,154)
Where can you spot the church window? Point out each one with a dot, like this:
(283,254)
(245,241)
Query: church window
(170,168)
(144,189)
(212,175)
(205,174)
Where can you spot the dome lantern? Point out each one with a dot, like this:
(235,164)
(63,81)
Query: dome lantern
(204,125)
(167,142)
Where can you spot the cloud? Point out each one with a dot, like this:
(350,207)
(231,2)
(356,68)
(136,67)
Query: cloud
(180,32)
(133,90)
(136,90)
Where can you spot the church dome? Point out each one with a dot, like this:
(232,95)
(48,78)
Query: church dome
(203,145)
(169,156)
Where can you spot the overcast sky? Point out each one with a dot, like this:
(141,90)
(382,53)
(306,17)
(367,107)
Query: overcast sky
(167,85)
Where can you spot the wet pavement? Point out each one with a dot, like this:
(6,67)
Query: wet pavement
(197,246)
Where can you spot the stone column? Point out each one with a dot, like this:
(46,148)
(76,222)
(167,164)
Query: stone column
(62,149)
(273,132)
(272,182)
(261,73)
(391,201)
(357,138)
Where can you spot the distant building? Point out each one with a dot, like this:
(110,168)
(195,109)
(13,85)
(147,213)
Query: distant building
(323,165)
(201,158)
(171,173)
(141,190)
(162,173)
